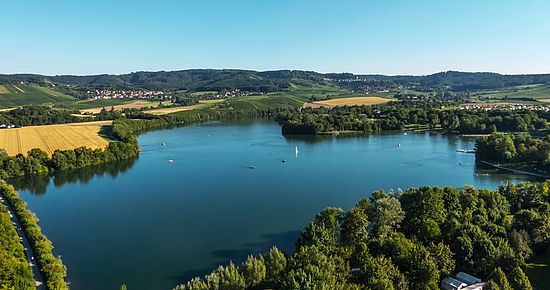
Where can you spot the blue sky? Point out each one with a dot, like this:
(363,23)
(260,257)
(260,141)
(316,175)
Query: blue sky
(369,36)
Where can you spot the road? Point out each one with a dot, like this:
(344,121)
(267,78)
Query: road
(39,281)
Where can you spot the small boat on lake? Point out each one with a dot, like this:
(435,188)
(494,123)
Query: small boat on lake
(252,167)
(297,151)
(163,144)
(170,161)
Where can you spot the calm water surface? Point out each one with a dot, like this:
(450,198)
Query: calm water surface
(152,225)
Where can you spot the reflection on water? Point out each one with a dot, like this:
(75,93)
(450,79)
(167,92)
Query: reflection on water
(38,184)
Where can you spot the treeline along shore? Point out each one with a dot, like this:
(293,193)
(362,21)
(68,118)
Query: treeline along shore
(411,116)
(51,267)
(409,239)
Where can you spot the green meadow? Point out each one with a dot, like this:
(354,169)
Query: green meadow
(536,92)
(20,95)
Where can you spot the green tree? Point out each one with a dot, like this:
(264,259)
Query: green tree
(385,214)
(354,228)
(519,280)
(231,278)
(443,257)
(253,270)
(500,280)
(275,262)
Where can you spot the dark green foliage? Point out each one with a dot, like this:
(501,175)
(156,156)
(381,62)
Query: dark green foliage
(369,247)
(500,280)
(39,115)
(52,269)
(518,279)
(15,272)
(354,227)
(515,148)
(310,268)
(38,162)
(275,262)
(253,270)
(410,115)
(385,214)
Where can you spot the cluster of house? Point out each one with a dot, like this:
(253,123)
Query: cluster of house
(370,85)
(413,98)
(113,94)
(489,106)
(236,93)
(462,281)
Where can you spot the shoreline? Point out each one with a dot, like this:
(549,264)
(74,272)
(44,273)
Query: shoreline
(514,170)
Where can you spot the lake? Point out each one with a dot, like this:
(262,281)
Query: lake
(153,224)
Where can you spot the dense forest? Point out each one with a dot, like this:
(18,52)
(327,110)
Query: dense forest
(39,115)
(196,79)
(406,240)
(410,116)
(454,80)
(510,148)
(51,267)
(44,115)
(269,81)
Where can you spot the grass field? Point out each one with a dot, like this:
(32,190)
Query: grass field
(52,137)
(538,271)
(201,105)
(20,95)
(136,104)
(268,101)
(353,101)
(536,92)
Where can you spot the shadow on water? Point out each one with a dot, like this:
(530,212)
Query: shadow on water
(284,241)
(38,184)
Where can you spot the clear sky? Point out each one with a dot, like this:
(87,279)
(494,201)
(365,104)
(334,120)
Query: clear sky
(368,36)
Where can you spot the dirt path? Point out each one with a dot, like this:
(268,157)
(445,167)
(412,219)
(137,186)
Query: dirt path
(39,281)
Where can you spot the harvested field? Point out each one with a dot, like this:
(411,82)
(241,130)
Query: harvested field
(354,101)
(52,137)
(130,105)
(201,104)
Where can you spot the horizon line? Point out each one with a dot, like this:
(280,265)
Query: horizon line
(272,70)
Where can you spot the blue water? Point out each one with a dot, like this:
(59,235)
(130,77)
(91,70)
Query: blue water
(152,224)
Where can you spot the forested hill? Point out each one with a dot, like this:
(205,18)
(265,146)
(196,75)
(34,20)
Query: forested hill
(269,81)
(456,81)
(196,79)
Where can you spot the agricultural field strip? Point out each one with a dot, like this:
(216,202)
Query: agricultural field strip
(349,102)
(52,137)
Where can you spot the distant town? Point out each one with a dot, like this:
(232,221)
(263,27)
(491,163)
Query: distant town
(120,94)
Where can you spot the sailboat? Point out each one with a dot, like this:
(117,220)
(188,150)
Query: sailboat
(297,151)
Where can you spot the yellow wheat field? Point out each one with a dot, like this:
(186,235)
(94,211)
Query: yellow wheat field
(354,101)
(52,137)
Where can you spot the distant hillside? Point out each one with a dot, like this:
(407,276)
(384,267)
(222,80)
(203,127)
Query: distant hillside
(271,81)
(457,81)
(199,79)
